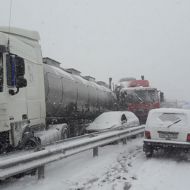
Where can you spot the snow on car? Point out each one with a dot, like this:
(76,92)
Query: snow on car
(167,128)
(113,119)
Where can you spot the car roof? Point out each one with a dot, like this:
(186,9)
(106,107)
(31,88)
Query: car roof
(118,113)
(170,110)
(110,119)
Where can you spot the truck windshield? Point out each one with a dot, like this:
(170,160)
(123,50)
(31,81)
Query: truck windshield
(141,96)
(149,96)
(1,73)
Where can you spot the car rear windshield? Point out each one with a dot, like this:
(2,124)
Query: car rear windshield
(167,119)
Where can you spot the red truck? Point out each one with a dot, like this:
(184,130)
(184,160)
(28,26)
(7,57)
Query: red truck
(137,96)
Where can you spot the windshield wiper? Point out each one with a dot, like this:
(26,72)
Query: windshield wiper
(174,123)
(139,97)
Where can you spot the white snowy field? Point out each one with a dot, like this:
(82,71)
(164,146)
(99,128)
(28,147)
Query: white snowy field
(117,167)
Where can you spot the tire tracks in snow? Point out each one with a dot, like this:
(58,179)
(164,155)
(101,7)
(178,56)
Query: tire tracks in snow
(118,177)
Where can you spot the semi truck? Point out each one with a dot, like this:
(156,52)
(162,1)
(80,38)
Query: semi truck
(38,97)
(137,96)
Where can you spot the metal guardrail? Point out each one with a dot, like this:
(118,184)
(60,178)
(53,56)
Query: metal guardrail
(38,160)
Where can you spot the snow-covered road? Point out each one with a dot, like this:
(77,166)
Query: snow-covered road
(117,167)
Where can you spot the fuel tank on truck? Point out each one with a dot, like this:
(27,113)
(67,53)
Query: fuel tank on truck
(68,93)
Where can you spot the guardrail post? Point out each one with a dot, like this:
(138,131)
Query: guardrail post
(41,172)
(95,151)
(124,141)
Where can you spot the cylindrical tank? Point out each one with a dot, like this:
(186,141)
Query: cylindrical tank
(68,94)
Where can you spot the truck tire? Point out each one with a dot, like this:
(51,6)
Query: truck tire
(32,143)
(65,132)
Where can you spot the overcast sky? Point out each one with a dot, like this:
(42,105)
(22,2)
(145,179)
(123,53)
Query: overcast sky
(113,38)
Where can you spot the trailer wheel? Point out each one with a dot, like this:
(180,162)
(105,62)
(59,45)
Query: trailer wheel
(64,132)
(64,135)
(32,143)
(2,148)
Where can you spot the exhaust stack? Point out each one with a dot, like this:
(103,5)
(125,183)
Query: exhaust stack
(110,80)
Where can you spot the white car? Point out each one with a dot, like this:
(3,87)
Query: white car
(113,119)
(167,128)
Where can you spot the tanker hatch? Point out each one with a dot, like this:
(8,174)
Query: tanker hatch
(89,78)
(73,71)
(49,61)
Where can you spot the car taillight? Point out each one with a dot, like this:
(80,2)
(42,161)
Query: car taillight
(188,137)
(147,135)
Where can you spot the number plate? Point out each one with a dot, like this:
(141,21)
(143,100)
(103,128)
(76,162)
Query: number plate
(168,135)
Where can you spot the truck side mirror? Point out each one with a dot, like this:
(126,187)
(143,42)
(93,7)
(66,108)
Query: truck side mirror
(20,67)
(15,72)
(20,71)
(11,75)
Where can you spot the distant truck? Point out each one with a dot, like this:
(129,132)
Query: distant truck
(137,96)
(42,99)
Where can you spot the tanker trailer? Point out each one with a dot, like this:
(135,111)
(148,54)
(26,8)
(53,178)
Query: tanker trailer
(73,99)
(39,100)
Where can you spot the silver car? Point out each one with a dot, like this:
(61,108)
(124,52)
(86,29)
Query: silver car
(113,119)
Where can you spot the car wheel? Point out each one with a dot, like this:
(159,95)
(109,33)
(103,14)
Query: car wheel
(148,151)
(149,154)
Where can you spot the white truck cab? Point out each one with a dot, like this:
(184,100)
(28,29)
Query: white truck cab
(41,102)
(167,128)
(22,98)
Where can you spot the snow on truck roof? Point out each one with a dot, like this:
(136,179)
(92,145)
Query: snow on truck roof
(20,32)
(26,40)
(138,88)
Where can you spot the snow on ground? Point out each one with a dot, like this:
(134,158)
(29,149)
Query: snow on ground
(117,167)
(162,174)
